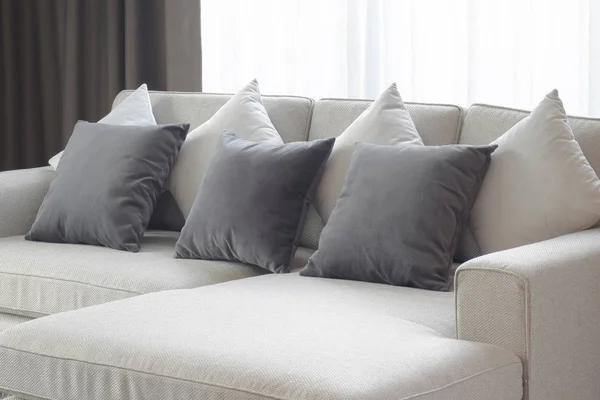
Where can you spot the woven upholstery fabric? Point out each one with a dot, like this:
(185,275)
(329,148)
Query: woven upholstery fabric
(496,383)
(250,339)
(312,229)
(9,320)
(38,279)
(483,124)
(540,301)
(21,194)
(290,115)
(437,125)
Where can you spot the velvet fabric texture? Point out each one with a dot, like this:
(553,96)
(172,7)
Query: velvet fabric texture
(107,184)
(400,214)
(252,202)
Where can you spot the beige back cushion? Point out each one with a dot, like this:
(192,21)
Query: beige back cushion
(437,125)
(290,115)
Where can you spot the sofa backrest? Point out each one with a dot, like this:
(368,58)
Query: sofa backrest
(295,118)
(484,124)
(437,123)
(290,114)
(301,118)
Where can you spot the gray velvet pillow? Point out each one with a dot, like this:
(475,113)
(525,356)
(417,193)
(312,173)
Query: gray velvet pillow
(400,214)
(252,202)
(107,184)
(167,216)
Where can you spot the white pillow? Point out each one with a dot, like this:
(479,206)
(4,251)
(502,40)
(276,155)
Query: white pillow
(244,115)
(136,109)
(385,122)
(539,184)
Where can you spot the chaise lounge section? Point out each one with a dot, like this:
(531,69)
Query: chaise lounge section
(270,337)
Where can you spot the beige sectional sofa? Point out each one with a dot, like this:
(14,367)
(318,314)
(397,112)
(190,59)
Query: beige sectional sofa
(521,323)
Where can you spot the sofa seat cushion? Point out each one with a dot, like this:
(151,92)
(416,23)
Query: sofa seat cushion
(38,279)
(270,337)
(10,320)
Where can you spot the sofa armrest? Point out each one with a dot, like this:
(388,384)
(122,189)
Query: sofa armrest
(541,302)
(21,194)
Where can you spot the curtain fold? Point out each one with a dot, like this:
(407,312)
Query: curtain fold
(506,52)
(65,60)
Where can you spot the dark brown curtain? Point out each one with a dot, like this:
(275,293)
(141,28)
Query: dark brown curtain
(64,60)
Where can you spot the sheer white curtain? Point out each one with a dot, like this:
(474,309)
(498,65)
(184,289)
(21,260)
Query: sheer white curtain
(508,52)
